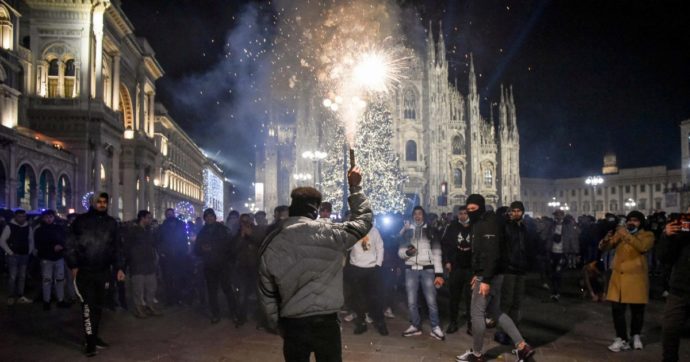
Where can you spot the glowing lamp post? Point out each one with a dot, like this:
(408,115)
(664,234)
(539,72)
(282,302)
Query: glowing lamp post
(554,204)
(630,204)
(594,181)
(316,157)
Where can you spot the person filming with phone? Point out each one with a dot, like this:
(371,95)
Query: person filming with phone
(674,251)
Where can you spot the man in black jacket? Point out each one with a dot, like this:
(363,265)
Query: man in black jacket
(140,255)
(18,243)
(513,289)
(674,251)
(457,259)
(94,246)
(174,261)
(214,245)
(49,239)
(489,261)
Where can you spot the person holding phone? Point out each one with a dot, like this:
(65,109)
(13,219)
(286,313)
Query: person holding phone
(674,252)
(421,251)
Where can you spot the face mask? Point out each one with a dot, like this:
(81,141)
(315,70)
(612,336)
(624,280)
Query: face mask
(474,215)
(632,229)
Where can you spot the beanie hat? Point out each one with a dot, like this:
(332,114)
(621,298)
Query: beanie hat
(635,214)
(476,199)
(517,205)
(209,211)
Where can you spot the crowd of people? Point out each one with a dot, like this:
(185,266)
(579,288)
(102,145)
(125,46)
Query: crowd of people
(306,271)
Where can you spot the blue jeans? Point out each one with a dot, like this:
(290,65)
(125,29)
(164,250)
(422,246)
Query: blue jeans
(17,267)
(413,278)
(53,272)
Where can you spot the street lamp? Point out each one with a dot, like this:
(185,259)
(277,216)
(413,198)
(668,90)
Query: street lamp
(565,207)
(594,181)
(630,204)
(302,176)
(554,204)
(316,157)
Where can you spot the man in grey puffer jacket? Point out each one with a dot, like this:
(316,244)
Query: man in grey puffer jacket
(301,273)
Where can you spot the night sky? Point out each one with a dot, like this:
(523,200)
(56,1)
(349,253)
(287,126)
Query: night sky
(589,77)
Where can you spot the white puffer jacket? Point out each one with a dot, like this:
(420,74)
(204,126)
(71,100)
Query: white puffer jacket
(428,251)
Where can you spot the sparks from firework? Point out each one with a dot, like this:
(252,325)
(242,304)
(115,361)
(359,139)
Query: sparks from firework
(374,72)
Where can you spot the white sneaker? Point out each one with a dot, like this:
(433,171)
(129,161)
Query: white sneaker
(464,357)
(350,317)
(412,331)
(24,300)
(437,333)
(637,343)
(389,313)
(368,319)
(664,294)
(619,345)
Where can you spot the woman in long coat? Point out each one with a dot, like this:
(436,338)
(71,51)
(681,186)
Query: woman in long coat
(629,283)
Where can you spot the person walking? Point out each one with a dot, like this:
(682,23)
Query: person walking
(301,273)
(93,247)
(629,283)
(489,261)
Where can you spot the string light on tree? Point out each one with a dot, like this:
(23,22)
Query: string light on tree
(185,210)
(86,200)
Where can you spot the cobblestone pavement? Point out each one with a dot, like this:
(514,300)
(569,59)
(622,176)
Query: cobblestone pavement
(573,330)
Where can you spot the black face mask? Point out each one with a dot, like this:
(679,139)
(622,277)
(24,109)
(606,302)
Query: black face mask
(474,215)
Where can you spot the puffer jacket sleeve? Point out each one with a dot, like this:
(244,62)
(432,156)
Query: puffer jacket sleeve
(71,253)
(348,233)
(269,297)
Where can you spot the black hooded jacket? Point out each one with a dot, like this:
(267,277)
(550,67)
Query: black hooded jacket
(457,248)
(488,247)
(216,246)
(46,238)
(172,238)
(94,243)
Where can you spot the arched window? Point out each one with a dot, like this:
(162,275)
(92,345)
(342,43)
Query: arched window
(488,177)
(411,151)
(409,104)
(458,145)
(457,177)
(53,77)
(70,78)
(6,31)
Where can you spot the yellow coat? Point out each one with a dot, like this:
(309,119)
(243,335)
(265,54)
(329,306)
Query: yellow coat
(629,279)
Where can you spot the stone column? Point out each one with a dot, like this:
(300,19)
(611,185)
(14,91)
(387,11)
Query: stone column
(115,182)
(141,193)
(12,177)
(61,79)
(116,82)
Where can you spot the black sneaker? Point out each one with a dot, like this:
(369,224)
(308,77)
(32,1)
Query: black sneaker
(525,353)
(100,344)
(452,328)
(90,350)
(360,328)
(382,329)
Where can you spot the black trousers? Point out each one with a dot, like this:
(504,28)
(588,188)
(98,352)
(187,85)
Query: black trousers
(676,313)
(175,274)
(90,289)
(246,284)
(512,294)
(558,262)
(319,334)
(366,284)
(636,319)
(220,277)
(460,289)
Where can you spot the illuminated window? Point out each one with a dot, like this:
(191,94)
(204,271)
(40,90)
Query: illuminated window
(488,177)
(70,79)
(6,31)
(411,151)
(53,78)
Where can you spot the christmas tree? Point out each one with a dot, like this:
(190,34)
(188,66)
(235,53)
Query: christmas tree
(382,177)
